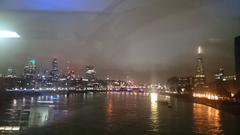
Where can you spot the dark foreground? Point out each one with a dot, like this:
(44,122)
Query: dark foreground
(113,113)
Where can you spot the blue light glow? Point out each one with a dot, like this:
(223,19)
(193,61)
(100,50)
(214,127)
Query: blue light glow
(56,5)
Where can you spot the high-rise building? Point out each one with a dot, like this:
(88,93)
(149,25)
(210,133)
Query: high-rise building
(54,74)
(90,73)
(30,69)
(180,84)
(237,57)
(199,78)
(11,73)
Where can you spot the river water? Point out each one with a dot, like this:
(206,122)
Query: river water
(112,113)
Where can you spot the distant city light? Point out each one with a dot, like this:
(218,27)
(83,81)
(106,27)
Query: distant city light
(9,34)
(206,95)
(10,128)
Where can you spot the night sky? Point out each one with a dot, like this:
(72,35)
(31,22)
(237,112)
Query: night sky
(146,40)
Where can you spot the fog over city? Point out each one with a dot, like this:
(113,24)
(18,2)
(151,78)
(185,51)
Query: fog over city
(147,40)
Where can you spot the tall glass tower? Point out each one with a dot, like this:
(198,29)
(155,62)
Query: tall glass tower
(54,71)
(199,78)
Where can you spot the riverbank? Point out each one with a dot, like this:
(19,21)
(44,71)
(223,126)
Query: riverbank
(226,106)
(230,107)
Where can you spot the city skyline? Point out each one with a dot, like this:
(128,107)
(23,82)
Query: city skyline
(149,46)
(119,67)
(80,70)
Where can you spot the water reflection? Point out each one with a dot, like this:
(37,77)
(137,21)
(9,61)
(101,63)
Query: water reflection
(164,99)
(154,112)
(109,112)
(114,113)
(40,116)
(27,112)
(206,120)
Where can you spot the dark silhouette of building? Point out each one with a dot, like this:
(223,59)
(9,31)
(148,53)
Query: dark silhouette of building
(237,57)
(180,84)
(220,74)
(11,73)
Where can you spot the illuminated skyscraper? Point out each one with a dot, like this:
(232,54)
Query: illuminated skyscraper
(90,73)
(54,74)
(199,78)
(30,69)
(30,72)
(237,57)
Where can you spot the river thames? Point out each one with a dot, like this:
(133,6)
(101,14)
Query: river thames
(112,113)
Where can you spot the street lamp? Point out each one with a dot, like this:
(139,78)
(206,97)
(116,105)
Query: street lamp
(8,34)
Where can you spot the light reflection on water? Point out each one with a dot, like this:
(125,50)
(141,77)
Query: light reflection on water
(113,113)
(109,112)
(206,120)
(154,111)
(27,112)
